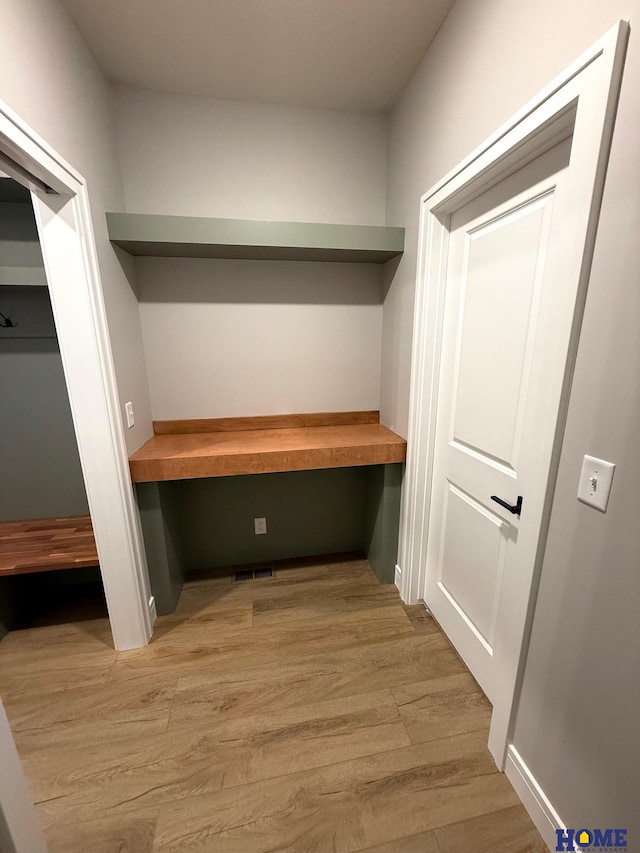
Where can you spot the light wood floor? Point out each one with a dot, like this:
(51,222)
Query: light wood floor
(311,712)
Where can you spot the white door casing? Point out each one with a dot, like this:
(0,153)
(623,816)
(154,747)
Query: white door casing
(580,104)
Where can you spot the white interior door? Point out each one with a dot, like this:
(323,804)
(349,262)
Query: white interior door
(487,420)
(506,241)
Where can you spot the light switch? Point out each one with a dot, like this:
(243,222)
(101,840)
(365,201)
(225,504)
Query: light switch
(595,482)
(128,407)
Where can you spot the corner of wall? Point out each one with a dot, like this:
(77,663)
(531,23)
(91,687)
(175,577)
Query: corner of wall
(382,519)
(157,503)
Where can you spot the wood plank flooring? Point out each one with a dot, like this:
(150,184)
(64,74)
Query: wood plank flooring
(310,712)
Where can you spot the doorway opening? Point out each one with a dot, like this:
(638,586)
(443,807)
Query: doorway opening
(48,560)
(61,205)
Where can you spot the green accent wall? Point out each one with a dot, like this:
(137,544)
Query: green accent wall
(307,512)
(192,525)
(163,541)
(382,519)
(41,474)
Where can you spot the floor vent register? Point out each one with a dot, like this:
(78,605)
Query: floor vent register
(253,575)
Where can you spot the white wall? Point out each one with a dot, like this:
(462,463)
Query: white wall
(239,338)
(194,156)
(577,724)
(51,80)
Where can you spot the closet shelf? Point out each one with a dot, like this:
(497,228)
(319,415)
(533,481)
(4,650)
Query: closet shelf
(254,446)
(203,237)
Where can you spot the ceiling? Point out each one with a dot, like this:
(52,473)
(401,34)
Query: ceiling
(336,54)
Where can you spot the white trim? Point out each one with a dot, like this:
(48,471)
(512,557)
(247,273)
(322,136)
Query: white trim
(71,264)
(583,97)
(533,798)
(20,830)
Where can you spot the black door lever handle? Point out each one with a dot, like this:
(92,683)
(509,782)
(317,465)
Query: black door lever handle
(513,508)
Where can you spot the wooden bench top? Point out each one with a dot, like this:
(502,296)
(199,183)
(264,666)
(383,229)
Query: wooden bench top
(188,452)
(46,544)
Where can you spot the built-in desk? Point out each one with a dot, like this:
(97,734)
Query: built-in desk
(188,454)
(271,445)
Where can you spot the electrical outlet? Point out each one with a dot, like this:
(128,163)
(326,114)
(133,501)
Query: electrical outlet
(128,407)
(260,525)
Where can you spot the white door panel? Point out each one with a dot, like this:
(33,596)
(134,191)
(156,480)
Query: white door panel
(498,281)
(497,262)
(470,585)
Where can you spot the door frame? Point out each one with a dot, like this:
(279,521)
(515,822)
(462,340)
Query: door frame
(581,102)
(20,829)
(61,204)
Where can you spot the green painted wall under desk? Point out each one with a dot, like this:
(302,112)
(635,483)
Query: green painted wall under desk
(190,525)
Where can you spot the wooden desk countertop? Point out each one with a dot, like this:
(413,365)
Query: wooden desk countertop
(324,441)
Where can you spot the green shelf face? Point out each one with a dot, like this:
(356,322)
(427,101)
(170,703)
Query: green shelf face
(201,237)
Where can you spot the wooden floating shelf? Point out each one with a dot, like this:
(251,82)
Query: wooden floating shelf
(203,237)
(46,544)
(254,446)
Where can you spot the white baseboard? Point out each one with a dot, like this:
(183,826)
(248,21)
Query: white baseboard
(401,580)
(152,609)
(541,811)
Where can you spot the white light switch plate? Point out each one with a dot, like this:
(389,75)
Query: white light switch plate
(128,407)
(595,482)
(260,525)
